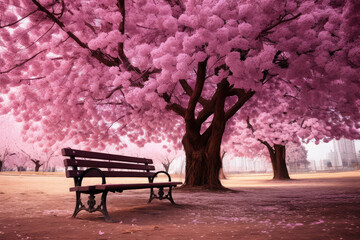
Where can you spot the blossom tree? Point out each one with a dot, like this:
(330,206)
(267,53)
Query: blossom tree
(266,127)
(20,162)
(296,157)
(94,71)
(48,156)
(38,163)
(3,157)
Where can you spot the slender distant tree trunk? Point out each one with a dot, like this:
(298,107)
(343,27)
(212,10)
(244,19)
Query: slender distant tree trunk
(37,167)
(166,167)
(166,164)
(222,173)
(1,164)
(37,164)
(278,160)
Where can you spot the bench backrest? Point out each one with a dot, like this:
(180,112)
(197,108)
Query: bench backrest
(112,165)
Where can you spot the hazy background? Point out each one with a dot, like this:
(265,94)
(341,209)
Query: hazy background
(10,137)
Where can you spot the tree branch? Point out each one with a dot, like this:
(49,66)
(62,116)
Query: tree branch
(41,36)
(19,20)
(243,97)
(189,92)
(113,91)
(266,31)
(249,126)
(22,63)
(209,109)
(128,66)
(271,150)
(100,56)
(123,57)
(196,94)
(177,108)
(30,79)
(115,122)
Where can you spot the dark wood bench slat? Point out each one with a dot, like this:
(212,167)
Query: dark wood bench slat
(106,156)
(83,188)
(77,173)
(109,187)
(118,187)
(102,164)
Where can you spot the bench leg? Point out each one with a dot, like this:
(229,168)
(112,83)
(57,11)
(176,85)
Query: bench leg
(151,195)
(91,205)
(160,195)
(169,196)
(79,205)
(102,207)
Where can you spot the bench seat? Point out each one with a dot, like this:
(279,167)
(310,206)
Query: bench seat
(82,164)
(120,187)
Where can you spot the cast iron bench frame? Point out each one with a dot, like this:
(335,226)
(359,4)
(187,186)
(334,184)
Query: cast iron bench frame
(116,166)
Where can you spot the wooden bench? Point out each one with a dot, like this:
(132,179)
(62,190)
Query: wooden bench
(94,164)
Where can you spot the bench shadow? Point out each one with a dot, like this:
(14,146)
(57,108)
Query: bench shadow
(141,214)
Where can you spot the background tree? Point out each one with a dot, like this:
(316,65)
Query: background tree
(166,163)
(222,173)
(3,157)
(277,153)
(277,130)
(296,157)
(38,163)
(99,70)
(20,162)
(49,155)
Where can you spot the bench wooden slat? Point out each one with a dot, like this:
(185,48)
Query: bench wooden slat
(102,164)
(106,156)
(110,165)
(83,188)
(110,187)
(77,173)
(118,187)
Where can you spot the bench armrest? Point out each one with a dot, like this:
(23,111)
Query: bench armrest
(151,179)
(91,169)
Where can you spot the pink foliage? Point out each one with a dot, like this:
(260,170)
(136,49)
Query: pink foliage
(85,76)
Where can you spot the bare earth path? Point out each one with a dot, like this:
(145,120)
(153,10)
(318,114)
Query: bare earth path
(312,206)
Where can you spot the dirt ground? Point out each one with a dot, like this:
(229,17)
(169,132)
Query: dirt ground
(311,206)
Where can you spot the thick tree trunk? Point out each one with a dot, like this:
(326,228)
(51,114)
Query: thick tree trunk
(202,164)
(278,161)
(203,160)
(202,148)
(1,164)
